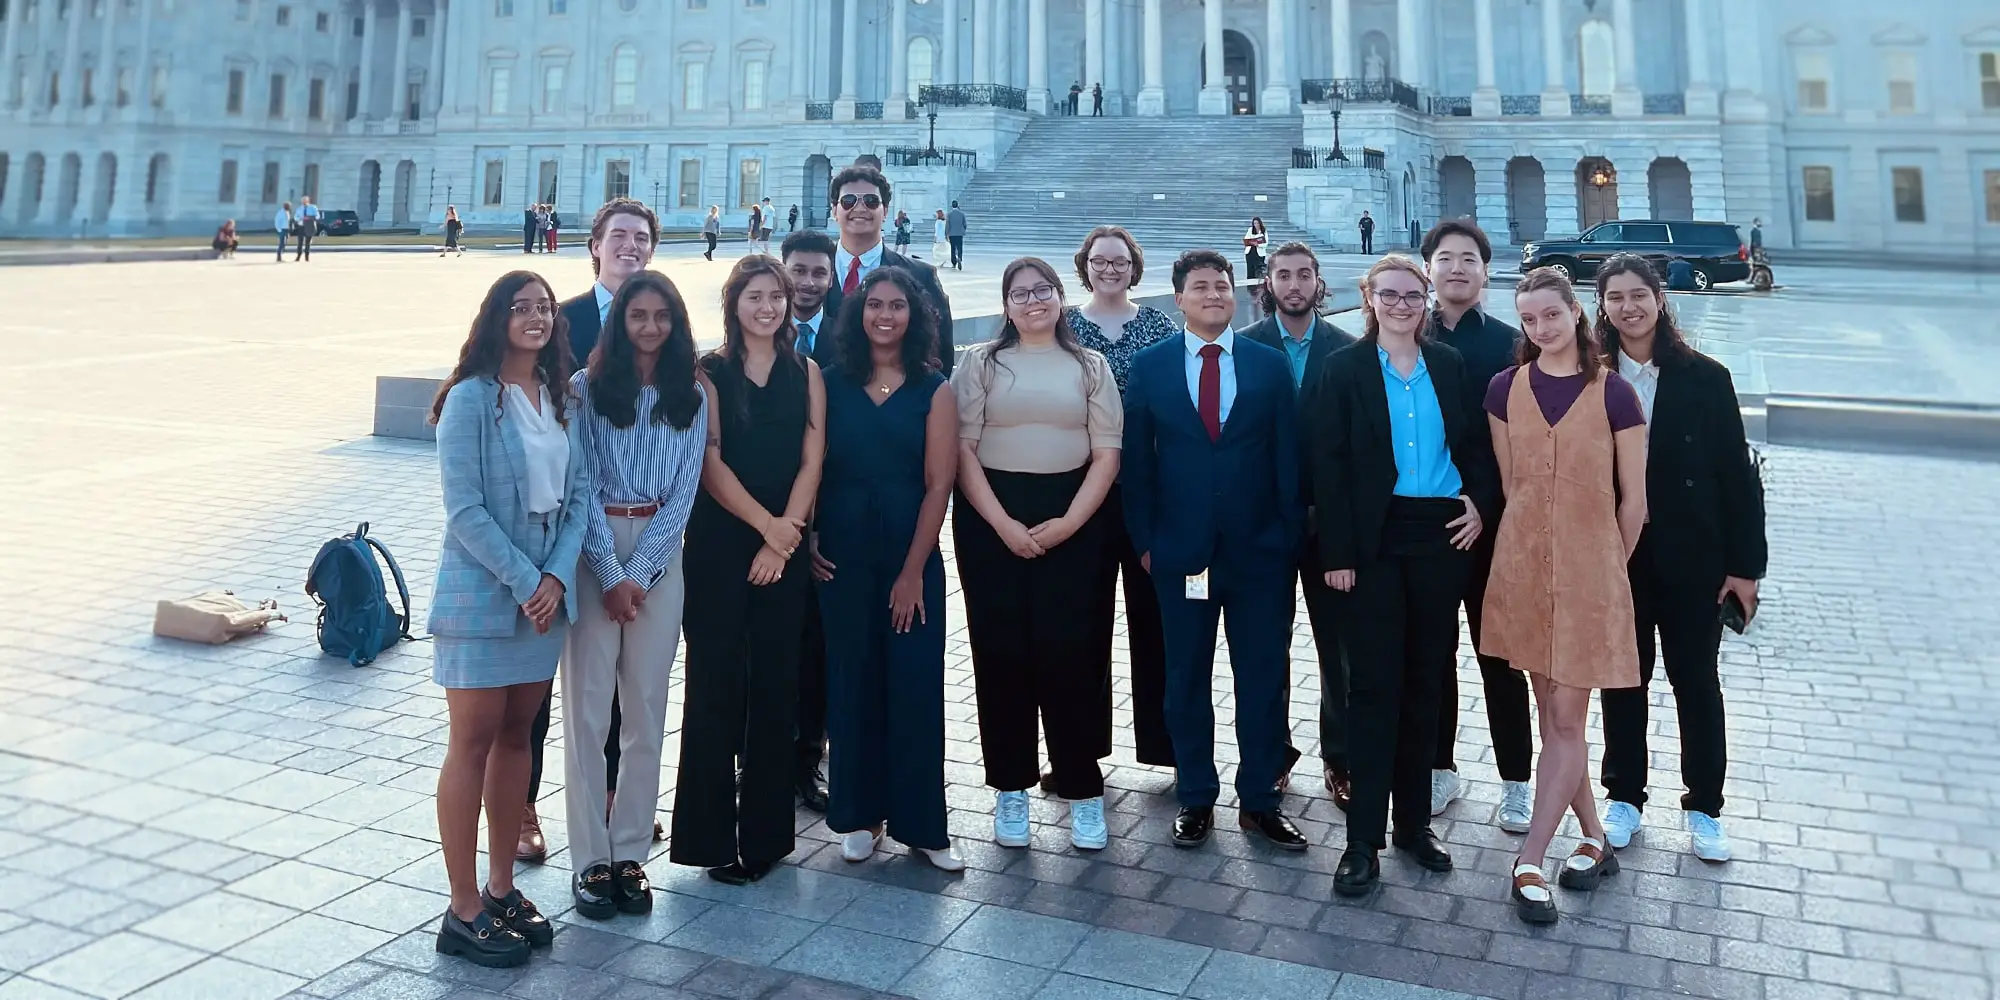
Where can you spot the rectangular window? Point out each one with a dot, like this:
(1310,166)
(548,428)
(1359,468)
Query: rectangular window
(89,86)
(1818,184)
(353,100)
(496,181)
(1815,76)
(553,78)
(753,84)
(360,27)
(419,27)
(1989,80)
(1901,69)
(159,95)
(690,186)
(749,182)
(55,87)
(503,8)
(270,187)
(323,22)
(284,16)
(1993,196)
(413,100)
(499,81)
(1908,183)
(233,104)
(311,186)
(548,176)
(225,189)
(558,6)
(123,86)
(624,77)
(277,108)
(316,99)
(694,81)
(1643,232)
(617,179)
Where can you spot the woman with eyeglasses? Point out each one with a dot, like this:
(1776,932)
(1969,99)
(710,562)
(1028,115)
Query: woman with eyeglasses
(1109,265)
(1404,483)
(517,482)
(1570,439)
(1040,427)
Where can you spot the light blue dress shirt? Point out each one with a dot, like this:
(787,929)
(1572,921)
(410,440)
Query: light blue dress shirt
(604,298)
(1416,427)
(1297,349)
(809,331)
(869,262)
(1227,364)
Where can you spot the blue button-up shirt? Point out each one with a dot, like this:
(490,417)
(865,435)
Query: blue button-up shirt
(809,332)
(1225,367)
(1416,427)
(1297,349)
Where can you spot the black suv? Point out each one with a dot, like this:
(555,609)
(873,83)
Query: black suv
(339,222)
(1715,250)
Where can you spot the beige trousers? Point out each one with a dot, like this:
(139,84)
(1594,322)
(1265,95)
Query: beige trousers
(634,659)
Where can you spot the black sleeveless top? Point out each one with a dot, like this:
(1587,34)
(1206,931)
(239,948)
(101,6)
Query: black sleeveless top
(763,434)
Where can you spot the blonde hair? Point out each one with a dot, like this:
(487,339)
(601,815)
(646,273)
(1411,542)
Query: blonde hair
(1371,326)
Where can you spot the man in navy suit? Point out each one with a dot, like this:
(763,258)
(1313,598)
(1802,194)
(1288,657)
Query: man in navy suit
(623,237)
(807,255)
(1211,485)
(859,197)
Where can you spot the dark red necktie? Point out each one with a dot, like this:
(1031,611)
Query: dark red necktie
(1208,400)
(853,280)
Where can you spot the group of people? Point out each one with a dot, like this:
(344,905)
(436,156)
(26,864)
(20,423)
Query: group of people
(300,226)
(779,501)
(1076,96)
(539,226)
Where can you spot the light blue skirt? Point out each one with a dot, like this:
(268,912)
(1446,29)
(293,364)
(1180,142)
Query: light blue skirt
(522,658)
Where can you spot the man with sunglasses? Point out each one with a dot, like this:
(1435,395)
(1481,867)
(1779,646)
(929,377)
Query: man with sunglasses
(859,196)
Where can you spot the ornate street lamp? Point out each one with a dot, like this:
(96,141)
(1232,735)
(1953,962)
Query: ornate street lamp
(1339,102)
(931,154)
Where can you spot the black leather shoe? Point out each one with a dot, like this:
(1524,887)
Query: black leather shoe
(740,873)
(634,893)
(596,892)
(811,788)
(486,941)
(1358,872)
(1424,849)
(1274,827)
(521,917)
(1192,826)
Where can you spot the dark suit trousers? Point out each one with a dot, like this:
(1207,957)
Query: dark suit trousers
(1367,242)
(538,738)
(1402,638)
(1324,611)
(1143,644)
(1506,689)
(957,250)
(1251,596)
(527,239)
(1690,641)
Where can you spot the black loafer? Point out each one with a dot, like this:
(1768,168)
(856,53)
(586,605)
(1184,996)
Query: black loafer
(486,941)
(520,916)
(1424,849)
(1192,825)
(811,788)
(596,892)
(1274,827)
(634,894)
(740,873)
(1358,872)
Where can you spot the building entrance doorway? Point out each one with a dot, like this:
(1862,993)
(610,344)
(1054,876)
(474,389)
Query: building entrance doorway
(813,207)
(1596,192)
(1239,72)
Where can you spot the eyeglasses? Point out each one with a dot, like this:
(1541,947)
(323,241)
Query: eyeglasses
(1116,265)
(540,308)
(1040,293)
(869,200)
(1410,300)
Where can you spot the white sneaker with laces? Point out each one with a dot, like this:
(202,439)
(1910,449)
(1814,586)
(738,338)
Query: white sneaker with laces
(1621,821)
(1010,819)
(946,860)
(1445,786)
(1086,824)
(1517,806)
(1710,842)
(859,845)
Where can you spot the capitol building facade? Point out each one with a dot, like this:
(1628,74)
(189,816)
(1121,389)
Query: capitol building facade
(1841,124)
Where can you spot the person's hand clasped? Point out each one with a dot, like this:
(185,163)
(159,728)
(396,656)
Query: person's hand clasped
(1052,532)
(821,569)
(1467,526)
(906,602)
(1019,539)
(1340,579)
(542,606)
(766,567)
(783,534)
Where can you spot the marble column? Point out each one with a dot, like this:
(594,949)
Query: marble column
(1555,94)
(1214,90)
(1408,44)
(435,74)
(9,48)
(453,74)
(1626,101)
(399,83)
(106,78)
(142,86)
(1343,40)
(365,103)
(1003,42)
(982,41)
(850,28)
(1114,58)
(1485,96)
(894,105)
(1038,56)
(1093,51)
(949,64)
(72,62)
(1701,96)
(1277,96)
(1152,92)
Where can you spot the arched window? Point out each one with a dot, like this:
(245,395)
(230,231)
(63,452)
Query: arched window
(624,77)
(1596,58)
(922,62)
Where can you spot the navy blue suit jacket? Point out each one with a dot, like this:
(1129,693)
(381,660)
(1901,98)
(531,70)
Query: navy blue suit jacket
(584,326)
(1186,495)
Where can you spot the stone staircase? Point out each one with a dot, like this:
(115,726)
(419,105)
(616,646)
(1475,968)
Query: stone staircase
(1176,183)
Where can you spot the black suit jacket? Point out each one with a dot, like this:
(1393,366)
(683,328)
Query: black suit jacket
(1326,340)
(584,326)
(1353,461)
(927,278)
(1704,499)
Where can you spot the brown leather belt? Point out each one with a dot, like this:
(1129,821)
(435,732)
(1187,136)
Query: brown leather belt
(641,510)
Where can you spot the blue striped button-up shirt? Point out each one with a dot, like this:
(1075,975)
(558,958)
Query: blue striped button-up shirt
(647,462)
(1416,425)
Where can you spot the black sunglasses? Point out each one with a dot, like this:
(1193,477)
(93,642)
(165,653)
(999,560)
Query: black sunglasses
(870,200)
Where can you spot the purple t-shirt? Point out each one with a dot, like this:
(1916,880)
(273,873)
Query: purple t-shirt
(1555,394)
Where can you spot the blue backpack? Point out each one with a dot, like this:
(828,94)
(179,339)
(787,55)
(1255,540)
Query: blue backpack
(355,619)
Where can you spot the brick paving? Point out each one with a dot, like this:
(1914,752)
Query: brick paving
(255,821)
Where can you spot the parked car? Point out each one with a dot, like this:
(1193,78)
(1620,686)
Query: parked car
(1715,250)
(339,222)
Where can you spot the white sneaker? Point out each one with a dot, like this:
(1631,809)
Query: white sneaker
(859,845)
(1086,824)
(946,860)
(1710,842)
(1010,819)
(1517,806)
(1445,786)
(1621,821)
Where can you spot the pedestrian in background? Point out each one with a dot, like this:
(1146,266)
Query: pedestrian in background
(940,244)
(902,231)
(792,220)
(283,222)
(452,228)
(308,227)
(954,230)
(554,230)
(1096,100)
(711,230)
(530,228)
(1254,241)
(225,241)
(1367,233)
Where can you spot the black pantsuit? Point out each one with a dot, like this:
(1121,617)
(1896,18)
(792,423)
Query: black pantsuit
(1034,625)
(1506,689)
(1142,634)
(809,744)
(1690,638)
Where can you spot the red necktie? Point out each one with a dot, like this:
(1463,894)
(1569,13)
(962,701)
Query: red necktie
(1209,397)
(853,280)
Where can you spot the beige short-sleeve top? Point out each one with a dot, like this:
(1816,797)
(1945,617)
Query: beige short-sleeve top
(1036,409)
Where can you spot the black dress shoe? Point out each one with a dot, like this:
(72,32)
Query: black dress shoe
(1191,827)
(596,892)
(811,788)
(740,873)
(521,916)
(1424,849)
(1274,827)
(486,941)
(1358,872)
(634,894)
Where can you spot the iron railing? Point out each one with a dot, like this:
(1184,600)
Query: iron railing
(910,109)
(1360,92)
(969,95)
(1326,158)
(868,110)
(1451,107)
(1666,104)
(916,156)
(1520,104)
(1580,104)
(820,111)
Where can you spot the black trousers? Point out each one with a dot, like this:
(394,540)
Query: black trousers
(1324,611)
(957,250)
(1145,649)
(1034,625)
(304,247)
(527,239)
(1506,689)
(1253,264)
(710,252)
(809,743)
(1402,638)
(1690,640)
(1367,242)
(538,740)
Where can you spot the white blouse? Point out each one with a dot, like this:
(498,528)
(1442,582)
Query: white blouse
(544,442)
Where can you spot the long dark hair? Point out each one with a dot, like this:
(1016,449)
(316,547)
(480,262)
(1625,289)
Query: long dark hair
(486,345)
(1667,339)
(1010,335)
(850,344)
(784,340)
(1548,279)
(614,377)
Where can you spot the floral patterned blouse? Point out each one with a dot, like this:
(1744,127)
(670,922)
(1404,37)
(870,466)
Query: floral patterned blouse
(1141,331)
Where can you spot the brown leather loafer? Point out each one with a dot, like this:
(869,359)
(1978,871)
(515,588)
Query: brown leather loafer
(533,847)
(1341,787)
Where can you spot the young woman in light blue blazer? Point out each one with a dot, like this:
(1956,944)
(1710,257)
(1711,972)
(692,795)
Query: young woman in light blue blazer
(516,484)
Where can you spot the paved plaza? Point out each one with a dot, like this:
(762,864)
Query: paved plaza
(255,821)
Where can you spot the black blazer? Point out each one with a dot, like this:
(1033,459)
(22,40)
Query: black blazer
(584,326)
(1327,339)
(1353,461)
(927,279)
(1704,498)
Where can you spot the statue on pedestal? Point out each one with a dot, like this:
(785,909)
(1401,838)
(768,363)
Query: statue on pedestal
(1373,67)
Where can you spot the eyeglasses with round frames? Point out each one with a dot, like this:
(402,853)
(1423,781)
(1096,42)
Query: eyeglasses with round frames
(1040,293)
(541,307)
(1116,265)
(1410,300)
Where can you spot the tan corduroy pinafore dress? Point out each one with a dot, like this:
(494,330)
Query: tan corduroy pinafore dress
(1558,602)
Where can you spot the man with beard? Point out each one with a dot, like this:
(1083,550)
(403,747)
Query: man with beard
(859,201)
(807,255)
(1290,298)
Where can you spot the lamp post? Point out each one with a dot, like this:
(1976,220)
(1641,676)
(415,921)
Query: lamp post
(931,153)
(1339,102)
